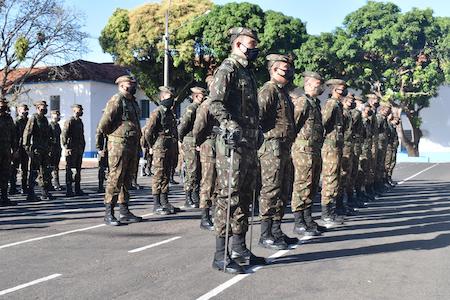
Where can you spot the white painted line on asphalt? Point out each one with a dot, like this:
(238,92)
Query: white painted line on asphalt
(154,245)
(219,289)
(50,236)
(19,287)
(417,174)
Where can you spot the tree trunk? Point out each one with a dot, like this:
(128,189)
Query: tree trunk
(411,145)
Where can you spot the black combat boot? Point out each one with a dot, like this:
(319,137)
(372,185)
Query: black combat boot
(222,263)
(55,180)
(126,216)
(340,209)
(196,198)
(267,240)
(24,186)
(69,191)
(31,196)
(188,203)
(13,187)
(205,222)
(4,200)
(166,204)
(302,229)
(328,216)
(313,228)
(45,196)
(157,207)
(109,215)
(278,234)
(242,255)
(78,190)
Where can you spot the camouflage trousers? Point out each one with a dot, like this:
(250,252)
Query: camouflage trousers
(209,174)
(191,165)
(39,163)
(307,167)
(74,161)
(331,167)
(5,167)
(372,166)
(346,171)
(162,167)
(381,158)
(353,177)
(55,158)
(276,178)
(243,179)
(390,160)
(123,161)
(20,159)
(363,168)
(173,154)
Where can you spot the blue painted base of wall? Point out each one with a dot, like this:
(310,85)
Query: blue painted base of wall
(430,157)
(94,154)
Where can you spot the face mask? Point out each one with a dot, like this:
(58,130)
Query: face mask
(344,93)
(250,53)
(131,89)
(353,105)
(288,74)
(24,114)
(44,111)
(167,103)
(370,113)
(320,90)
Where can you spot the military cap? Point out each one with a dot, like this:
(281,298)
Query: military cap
(359,98)
(335,81)
(125,78)
(40,102)
(295,93)
(77,106)
(279,57)
(371,96)
(311,74)
(198,90)
(167,89)
(55,111)
(24,105)
(238,31)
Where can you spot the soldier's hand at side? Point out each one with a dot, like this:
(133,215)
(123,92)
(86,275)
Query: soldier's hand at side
(68,152)
(197,148)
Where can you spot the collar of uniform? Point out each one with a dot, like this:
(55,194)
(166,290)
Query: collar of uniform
(128,97)
(279,85)
(240,60)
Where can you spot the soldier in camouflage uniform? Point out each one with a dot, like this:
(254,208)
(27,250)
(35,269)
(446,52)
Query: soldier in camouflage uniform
(8,145)
(276,116)
(380,178)
(101,142)
(20,157)
(55,152)
(366,153)
(148,156)
(374,103)
(120,122)
(391,153)
(205,138)
(160,133)
(234,104)
(345,186)
(332,120)
(191,155)
(37,139)
(73,141)
(358,133)
(306,154)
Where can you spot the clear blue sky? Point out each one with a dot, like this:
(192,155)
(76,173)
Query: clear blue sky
(319,15)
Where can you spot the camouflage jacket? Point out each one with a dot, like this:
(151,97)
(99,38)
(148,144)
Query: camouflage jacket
(366,133)
(8,139)
(308,122)
(382,131)
(332,120)
(56,135)
(120,120)
(204,124)
(347,127)
(392,136)
(37,134)
(357,126)
(374,131)
(234,97)
(187,121)
(276,112)
(160,127)
(73,134)
(20,124)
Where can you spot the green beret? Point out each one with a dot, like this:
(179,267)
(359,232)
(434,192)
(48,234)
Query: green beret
(310,74)
(335,81)
(198,90)
(167,89)
(125,78)
(77,106)
(238,31)
(40,102)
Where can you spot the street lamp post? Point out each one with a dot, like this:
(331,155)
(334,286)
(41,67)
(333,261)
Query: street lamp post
(166,49)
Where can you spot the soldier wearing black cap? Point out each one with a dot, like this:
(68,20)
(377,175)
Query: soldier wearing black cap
(73,141)
(8,145)
(234,103)
(332,120)
(55,152)
(160,133)
(120,122)
(37,138)
(20,157)
(276,116)
(191,156)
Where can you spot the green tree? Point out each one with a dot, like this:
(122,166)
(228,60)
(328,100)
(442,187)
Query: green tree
(402,57)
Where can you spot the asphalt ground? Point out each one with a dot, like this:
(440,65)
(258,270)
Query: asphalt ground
(397,248)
